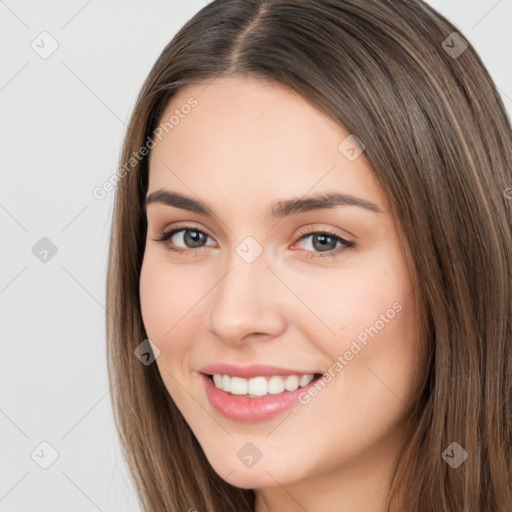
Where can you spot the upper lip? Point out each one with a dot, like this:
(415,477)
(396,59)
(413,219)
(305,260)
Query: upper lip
(249,371)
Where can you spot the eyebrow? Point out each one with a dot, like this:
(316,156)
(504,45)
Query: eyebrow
(278,209)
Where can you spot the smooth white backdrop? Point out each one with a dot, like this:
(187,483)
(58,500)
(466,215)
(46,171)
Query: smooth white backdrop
(62,121)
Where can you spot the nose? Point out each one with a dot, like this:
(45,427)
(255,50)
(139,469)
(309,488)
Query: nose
(247,302)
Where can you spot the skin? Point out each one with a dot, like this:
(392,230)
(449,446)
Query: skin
(246,144)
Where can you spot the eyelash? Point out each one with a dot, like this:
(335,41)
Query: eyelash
(165,236)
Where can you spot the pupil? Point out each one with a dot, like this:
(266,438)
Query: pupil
(194,237)
(323,245)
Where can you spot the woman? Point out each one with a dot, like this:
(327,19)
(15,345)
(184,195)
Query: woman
(309,284)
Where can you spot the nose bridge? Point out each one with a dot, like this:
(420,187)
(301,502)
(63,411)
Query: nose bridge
(246,299)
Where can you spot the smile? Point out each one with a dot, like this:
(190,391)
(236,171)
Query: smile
(254,393)
(261,386)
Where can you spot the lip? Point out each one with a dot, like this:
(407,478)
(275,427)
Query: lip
(250,371)
(251,410)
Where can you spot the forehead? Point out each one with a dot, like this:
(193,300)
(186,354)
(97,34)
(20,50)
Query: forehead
(247,137)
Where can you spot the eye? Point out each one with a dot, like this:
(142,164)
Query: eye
(191,238)
(188,239)
(324,244)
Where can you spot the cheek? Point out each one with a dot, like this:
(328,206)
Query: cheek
(343,305)
(378,345)
(366,317)
(154,299)
(167,297)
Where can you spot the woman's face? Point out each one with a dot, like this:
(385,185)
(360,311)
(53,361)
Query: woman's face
(255,281)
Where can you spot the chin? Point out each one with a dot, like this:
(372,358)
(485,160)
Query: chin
(264,473)
(248,479)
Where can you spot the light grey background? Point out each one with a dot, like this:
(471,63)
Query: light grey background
(62,121)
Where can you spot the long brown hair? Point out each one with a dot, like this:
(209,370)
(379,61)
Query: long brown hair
(438,138)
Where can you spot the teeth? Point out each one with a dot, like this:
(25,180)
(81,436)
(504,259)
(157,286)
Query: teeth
(226,383)
(275,385)
(239,386)
(305,380)
(261,386)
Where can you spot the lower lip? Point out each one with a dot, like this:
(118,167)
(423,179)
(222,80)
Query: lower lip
(251,410)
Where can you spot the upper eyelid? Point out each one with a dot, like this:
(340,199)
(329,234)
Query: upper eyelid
(315,228)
